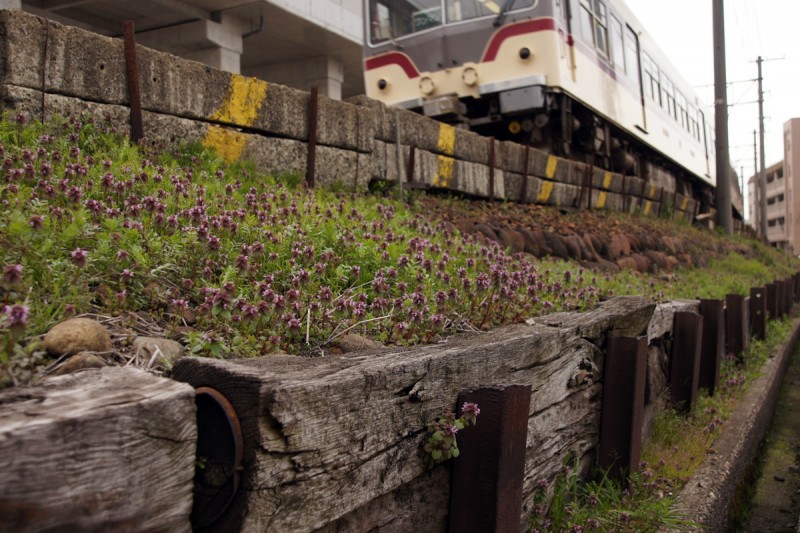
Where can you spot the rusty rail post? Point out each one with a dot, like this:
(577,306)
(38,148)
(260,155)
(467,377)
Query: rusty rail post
(486,490)
(758,312)
(311,159)
(772,300)
(412,152)
(523,193)
(788,289)
(713,347)
(736,323)
(491,168)
(134,88)
(623,405)
(684,373)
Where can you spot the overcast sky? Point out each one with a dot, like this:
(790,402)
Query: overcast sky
(769,28)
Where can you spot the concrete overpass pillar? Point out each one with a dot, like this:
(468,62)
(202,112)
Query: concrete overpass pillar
(10,4)
(326,72)
(217,44)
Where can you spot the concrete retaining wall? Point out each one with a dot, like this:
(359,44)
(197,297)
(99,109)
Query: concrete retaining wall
(47,68)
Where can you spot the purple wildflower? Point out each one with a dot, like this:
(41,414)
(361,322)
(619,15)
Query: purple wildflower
(79,257)
(12,274)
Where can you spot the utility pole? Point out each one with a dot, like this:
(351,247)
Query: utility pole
(762,178)
(759,194)
(724,214)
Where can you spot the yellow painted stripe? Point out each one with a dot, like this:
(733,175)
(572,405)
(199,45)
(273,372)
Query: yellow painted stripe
(647,205)
(241,106)
(544,194)
(607,180)
(652,191)
(552,163)
(447,139)
(601,199)
(444,171)
(685,204)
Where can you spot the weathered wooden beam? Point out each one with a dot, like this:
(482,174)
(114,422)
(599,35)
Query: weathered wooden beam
(623,405)
(314,426)
(685,364)
(486,492)
(109,449)
(758,312)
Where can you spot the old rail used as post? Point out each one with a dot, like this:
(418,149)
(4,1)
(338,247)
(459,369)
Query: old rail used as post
(134,87)
(736,323)
(623,405)
(758,312)
(685,367)
(713,347)
(311,159)
(486,491)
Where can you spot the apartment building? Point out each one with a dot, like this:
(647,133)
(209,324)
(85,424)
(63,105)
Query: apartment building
(783,194)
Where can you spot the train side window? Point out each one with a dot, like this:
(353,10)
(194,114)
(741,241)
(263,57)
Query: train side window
(631,53)
(587,22)
(651,72)
(593,24)
(617,45)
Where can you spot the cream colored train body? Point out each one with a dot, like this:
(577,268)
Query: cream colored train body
(580,78)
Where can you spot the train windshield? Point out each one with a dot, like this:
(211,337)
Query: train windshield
(393,19)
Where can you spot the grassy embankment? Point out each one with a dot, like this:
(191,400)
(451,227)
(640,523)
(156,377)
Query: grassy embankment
(234,263)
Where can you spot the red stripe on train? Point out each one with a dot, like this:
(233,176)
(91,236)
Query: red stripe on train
(512,30)
(393,58)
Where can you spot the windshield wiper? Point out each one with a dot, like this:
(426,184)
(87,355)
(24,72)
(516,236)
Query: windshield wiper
(502,15)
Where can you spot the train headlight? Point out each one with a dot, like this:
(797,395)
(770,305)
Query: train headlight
(426,85)
(524,53)
(514,127)
(470,76)
(382,84)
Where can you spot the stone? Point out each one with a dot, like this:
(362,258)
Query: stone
(352,342)
(75,335)
(534,240)
(169,351)
(80,361)
(486,231)
(514,240)
(573,245)
(556,245)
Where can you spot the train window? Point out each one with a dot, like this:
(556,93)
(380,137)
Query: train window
(617,46)
(587,22)
(593,24)
(390,19)
(600,29)
(631,54)
(681,105)
(651,71)
(458,10)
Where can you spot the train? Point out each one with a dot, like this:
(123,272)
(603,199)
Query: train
(580,79)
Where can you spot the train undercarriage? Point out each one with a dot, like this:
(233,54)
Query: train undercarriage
(564,127)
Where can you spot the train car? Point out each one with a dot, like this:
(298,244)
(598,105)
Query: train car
(578,78)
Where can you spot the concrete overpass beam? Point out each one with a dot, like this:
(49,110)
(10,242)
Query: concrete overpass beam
(217,44)
(326,72)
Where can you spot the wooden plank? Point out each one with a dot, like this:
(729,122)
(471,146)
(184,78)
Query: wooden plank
(325,437)
(101,450)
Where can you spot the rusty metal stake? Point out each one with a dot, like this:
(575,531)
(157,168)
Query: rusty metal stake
(758,312)
(412,151)
(491,169)
(736,323)
(486,490)
(788,289)
(772,300)
(713,347)
(134,88)
(623,405)
(684,373)
(523,193)
(311,160)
